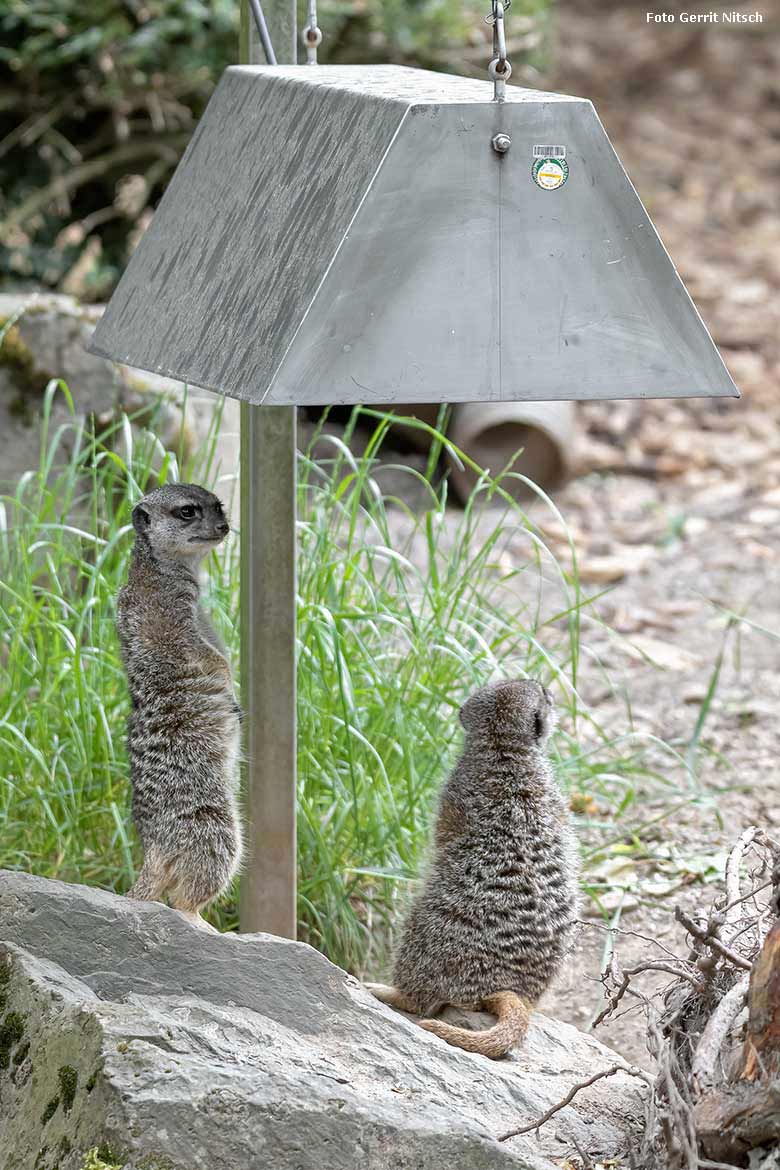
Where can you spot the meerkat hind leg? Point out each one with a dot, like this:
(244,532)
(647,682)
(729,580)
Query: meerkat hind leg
(195,919)
(151,883)
(192,889)
(190,908)
(392,997)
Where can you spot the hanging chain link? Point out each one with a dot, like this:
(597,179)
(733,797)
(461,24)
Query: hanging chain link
(312,34)
(499,69)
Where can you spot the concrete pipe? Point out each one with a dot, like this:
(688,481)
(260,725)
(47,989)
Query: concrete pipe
(490,433)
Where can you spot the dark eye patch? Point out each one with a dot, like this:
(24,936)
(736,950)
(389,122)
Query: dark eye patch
(538,724)
(186,512)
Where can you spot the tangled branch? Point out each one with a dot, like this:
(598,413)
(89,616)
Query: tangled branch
(714,1096)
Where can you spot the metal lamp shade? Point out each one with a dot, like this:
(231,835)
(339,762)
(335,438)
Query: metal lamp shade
(350,235)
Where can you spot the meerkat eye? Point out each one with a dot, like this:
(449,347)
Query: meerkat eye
(538,725)
(187,512)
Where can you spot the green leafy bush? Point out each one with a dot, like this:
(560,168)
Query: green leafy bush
(99,99)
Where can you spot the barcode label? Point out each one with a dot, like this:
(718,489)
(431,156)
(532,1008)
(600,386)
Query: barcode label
(549,152)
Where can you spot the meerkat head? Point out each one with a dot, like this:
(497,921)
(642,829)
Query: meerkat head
(180,521)
(518,711)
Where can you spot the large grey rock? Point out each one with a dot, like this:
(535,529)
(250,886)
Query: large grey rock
(124,1030)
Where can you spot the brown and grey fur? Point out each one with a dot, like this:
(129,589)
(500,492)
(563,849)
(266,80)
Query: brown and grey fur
(494,919)
(184,728)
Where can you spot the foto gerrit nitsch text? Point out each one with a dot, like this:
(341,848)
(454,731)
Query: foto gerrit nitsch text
(713,17)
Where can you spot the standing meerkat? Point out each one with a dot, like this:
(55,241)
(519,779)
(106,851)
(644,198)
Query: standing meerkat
(495,915)
(184,728)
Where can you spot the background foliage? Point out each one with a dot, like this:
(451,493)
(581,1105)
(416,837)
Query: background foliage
(98,99)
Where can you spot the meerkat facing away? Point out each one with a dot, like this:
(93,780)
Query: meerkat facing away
(184,728)
(494,918)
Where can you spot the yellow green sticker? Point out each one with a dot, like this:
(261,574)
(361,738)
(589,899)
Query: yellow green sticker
(550,173)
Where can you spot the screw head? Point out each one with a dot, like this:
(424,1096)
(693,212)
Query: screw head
(501,143)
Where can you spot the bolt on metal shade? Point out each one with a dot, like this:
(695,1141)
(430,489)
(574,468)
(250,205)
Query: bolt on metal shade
(350,234)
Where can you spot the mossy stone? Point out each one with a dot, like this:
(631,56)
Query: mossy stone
(50,1110)
(11,1032)
(102,1158)
(5,979)
(21,1053)
(69,1079)
(16,356)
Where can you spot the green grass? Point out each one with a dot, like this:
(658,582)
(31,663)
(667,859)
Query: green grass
(400,614)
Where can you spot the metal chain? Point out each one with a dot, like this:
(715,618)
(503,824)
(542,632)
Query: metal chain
(262,31)
(499,69)
(312,34)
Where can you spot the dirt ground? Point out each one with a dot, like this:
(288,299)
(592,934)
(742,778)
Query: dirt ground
(672,610)
(678,505)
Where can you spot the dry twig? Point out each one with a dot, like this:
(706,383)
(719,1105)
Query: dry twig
(707,936)
(679,972)
(715,1032)
(572,1093)
(732,876)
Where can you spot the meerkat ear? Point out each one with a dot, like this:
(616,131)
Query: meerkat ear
(544,720)
(468,712)
(141,518)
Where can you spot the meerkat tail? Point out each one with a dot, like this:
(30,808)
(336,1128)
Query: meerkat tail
(513,1016)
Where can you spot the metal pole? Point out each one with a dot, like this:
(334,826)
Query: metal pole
(268,590)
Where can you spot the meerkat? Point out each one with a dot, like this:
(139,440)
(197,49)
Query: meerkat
(184,727)
(495,915)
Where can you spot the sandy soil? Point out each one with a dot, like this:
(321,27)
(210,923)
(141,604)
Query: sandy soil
(673,610)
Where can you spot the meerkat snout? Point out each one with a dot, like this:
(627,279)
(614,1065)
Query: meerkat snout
(180,521)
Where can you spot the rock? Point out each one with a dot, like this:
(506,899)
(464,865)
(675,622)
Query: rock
(612,567)
(131,1039)
(763,517)
(46,337)
(667,655)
